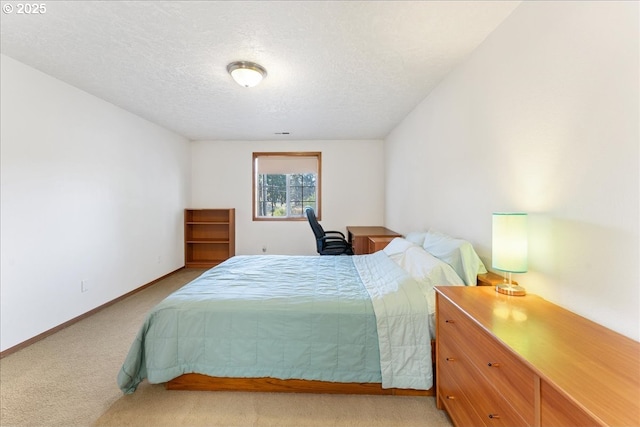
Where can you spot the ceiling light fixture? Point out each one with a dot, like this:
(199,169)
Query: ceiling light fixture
(247,74)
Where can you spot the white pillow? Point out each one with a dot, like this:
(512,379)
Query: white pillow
(416,237)
(428,271)
(458,253)
(397,247)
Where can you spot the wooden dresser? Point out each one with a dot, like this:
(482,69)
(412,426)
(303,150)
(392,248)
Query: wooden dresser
(523,361)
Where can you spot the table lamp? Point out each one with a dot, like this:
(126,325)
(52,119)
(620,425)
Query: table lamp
(509,249)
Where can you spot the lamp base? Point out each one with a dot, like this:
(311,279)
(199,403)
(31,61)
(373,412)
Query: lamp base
(511,289)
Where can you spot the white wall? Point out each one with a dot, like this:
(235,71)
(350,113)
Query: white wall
(89,192)
(352,190)
(542,118)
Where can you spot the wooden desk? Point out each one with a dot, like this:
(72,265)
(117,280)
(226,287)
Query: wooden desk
(379,243)
(358,236)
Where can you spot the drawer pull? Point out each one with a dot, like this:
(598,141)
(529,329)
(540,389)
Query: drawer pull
(450,321)
(450,359)
(494,416)
(451,397)
(493,365)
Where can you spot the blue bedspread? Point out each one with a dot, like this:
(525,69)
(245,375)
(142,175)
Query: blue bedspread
(285,317)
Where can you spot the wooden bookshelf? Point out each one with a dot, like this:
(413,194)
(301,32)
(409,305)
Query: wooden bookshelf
(209,237)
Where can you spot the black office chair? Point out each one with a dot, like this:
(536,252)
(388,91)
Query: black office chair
(328,242)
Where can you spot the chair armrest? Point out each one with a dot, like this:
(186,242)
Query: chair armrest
(335,232)
(331,239)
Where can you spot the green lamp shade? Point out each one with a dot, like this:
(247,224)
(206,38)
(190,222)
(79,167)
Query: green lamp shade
(509,242)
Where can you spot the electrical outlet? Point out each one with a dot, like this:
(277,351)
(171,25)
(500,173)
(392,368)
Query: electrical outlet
(83,286)
(159,259)
(264,249)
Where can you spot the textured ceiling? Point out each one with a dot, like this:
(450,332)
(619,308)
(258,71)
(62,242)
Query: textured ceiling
(337,69)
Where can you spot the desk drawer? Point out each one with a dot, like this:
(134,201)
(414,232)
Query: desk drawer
(488,357)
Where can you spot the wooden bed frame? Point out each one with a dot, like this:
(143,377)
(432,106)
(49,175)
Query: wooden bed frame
(207,383)
(202,382)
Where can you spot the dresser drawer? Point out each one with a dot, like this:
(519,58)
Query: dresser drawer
(487,356)
(557,411)
(492,408)
(455,401)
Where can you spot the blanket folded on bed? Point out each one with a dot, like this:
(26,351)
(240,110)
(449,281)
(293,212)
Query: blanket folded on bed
(402,318)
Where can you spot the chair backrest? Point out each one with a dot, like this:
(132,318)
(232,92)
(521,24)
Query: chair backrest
(333,245)
(318,231)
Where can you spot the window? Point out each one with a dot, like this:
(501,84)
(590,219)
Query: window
(285,184)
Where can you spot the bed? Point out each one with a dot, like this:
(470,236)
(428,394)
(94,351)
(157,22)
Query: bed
(342,324)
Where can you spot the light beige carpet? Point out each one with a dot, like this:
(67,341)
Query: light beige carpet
(69,379)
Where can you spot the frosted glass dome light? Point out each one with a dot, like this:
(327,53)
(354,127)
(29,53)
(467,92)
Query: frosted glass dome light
(247,74)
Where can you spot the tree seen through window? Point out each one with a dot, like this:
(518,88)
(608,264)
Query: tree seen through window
(286,195)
